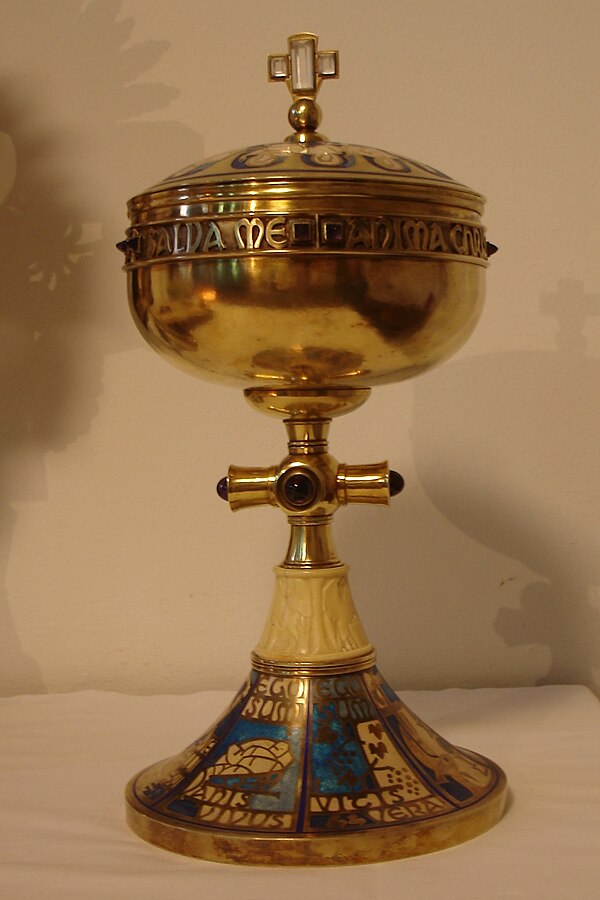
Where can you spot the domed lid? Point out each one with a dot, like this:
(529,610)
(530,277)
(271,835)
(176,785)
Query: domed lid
(307,156)
(310,159)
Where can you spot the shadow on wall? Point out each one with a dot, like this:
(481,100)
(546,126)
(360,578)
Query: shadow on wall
(54,333)
(537,496)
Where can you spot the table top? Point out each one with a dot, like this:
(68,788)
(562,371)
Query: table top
(66,758)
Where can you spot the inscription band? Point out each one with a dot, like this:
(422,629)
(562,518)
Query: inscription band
(237,236)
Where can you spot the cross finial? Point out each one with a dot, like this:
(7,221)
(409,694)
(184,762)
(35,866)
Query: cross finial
(303,69)
(304,66)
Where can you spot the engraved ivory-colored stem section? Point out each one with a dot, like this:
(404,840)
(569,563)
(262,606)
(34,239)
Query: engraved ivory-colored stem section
(313,619)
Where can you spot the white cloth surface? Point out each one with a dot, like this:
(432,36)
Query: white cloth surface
(65,759)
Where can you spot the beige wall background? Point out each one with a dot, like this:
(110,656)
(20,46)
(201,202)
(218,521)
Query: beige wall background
(120,569)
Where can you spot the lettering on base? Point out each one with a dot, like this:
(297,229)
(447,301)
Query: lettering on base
(315,755)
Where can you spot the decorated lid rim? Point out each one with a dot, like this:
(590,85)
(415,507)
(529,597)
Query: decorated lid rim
(302,188)
(301,195)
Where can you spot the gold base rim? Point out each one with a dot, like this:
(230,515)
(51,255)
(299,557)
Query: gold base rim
(373,845)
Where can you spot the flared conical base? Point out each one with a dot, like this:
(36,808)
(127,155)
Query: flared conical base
(326,768)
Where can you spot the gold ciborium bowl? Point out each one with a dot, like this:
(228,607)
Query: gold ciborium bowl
(311,264)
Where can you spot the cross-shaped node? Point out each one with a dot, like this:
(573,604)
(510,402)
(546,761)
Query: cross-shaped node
(304,66)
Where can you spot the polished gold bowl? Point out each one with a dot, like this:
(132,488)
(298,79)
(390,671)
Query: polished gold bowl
(306,265)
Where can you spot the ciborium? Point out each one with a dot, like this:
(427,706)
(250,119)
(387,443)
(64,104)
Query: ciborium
(306,272)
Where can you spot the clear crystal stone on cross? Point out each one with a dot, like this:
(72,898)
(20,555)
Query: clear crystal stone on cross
(304,66)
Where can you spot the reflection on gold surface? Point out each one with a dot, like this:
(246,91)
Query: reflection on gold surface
(288,321)
(312,365)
